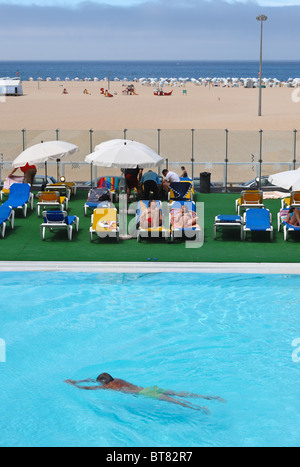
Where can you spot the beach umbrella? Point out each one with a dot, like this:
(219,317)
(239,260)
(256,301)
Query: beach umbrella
(125,154)
(43,152)
(289,180)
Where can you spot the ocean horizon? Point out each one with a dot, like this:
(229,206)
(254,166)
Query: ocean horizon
(130,70)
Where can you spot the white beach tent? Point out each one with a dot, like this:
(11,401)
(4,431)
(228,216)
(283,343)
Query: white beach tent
(11,87)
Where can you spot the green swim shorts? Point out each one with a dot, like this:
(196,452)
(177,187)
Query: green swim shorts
(154,391)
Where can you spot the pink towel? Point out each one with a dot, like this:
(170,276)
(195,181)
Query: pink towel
(11,180)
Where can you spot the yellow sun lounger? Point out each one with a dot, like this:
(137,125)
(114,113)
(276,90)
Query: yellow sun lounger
(104,223)
(249,199)
(48,199)
(66,188)
(292,201)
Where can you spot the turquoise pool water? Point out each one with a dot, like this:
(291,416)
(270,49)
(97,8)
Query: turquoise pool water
(225,335)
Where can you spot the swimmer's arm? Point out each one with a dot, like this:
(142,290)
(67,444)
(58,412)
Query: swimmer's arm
(77,384)
(88,388)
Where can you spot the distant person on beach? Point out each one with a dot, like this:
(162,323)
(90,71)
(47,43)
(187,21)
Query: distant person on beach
(151,183)
(106,381)
(169,177)
(29,172)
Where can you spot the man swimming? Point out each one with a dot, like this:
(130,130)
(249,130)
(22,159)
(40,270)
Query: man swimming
(106,381)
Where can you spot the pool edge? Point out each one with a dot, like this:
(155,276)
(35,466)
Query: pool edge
(131,267)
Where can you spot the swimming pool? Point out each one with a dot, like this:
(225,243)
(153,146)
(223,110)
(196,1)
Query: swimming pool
(227,335)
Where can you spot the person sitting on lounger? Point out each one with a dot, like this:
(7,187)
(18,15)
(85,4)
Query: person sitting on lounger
(106,381)
(293,217)
(185,219)
(151,217)
(169,177)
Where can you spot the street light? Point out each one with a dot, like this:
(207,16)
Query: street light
(261,18)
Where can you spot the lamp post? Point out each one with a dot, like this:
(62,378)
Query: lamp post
(261,18)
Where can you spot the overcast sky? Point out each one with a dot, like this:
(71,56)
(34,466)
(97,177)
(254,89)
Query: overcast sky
(153,29)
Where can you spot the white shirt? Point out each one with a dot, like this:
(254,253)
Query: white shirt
(172,177)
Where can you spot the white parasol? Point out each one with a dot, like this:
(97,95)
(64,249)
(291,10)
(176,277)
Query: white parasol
(124,154)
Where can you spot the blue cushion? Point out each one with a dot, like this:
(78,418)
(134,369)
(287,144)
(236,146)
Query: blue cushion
(70,220)
(258,219)
(225,218)
(5,212)
(294,227)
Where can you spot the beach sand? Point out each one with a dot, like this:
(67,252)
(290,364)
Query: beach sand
(209,110)
(201,108)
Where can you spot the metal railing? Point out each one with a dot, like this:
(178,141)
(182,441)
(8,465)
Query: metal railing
(231,156)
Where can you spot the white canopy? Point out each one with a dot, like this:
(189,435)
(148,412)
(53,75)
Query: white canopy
(50,150)
(124,154)
(289,180)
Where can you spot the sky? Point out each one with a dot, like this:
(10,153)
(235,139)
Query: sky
(148,29)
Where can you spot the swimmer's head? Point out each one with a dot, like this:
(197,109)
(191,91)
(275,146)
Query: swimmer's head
(104,378)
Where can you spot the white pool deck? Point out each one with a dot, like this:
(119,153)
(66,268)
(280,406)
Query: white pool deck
(153,267)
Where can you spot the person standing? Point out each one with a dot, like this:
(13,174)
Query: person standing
(29,172)
(133,178)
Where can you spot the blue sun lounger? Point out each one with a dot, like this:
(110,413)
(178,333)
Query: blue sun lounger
(54,220)
(6,215)
(181,191)
(228,222)
(289,228)
(257,220)
(20,197)
(95,197)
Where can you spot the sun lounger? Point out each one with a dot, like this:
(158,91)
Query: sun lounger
(281,217)
(20,197)
(104,223)
(293,201)
(257,220)
(49,199)
(95,197)
(6,215)
(181,191)
(151,231)
(111,184)
(8,183)
(228,222)
(187,231)
(55,220)
(249,199)
(287,228)
(65,189)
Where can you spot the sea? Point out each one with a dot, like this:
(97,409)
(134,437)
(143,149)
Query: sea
(130,70)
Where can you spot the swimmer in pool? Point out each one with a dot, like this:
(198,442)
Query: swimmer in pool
(105,381)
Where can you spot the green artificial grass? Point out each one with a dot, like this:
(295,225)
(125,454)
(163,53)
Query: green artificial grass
(24,243)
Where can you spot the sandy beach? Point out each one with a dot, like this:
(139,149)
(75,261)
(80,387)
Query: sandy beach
(209,110)
(44,107)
